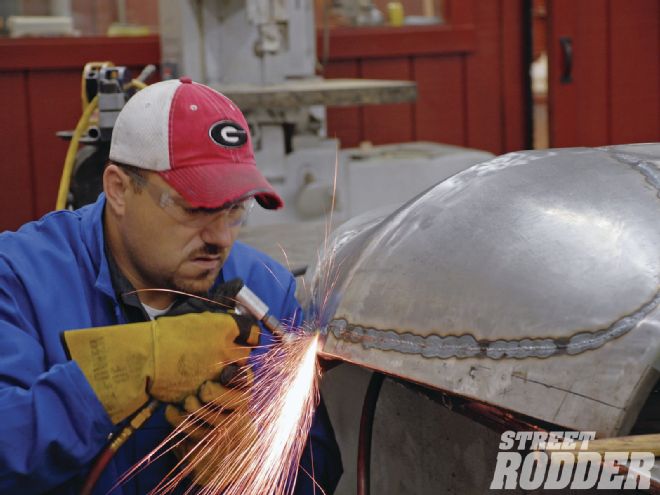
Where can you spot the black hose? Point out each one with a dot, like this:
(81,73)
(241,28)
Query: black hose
(299,271)
(366,428)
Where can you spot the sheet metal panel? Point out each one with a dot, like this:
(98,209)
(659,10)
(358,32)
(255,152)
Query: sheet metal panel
(540,270)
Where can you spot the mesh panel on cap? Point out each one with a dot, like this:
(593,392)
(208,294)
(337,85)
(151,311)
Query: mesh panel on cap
(140,136)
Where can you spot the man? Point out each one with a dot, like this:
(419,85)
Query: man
(178,185)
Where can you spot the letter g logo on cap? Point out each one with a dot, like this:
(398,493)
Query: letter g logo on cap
(228,134)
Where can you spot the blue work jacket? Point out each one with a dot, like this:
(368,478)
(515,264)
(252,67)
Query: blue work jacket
(54,276)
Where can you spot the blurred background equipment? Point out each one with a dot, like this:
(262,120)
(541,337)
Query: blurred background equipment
(19,26)
(470,69)
(266,63)
(262,55)
(105,89)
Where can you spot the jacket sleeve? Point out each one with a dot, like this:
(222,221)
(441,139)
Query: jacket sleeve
(51,422)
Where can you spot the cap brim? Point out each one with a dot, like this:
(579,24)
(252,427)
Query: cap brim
(211,186)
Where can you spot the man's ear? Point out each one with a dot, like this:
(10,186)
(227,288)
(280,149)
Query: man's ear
(115,186)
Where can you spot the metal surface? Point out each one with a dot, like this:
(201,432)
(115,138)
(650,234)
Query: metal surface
(250,303)
(392,174)
(529,282)
(255,306)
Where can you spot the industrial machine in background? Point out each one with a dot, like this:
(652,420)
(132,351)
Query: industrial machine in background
(262,55)
(105,88)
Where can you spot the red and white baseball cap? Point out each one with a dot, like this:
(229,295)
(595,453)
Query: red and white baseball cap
(196,139)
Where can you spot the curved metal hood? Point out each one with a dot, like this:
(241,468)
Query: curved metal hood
(530,282)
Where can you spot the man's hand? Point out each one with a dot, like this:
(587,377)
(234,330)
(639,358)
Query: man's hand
(208,432)
(168,358)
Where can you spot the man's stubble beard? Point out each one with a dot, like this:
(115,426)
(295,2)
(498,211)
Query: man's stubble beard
(198,286)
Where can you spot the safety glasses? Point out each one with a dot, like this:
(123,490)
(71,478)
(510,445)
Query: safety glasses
(232,215)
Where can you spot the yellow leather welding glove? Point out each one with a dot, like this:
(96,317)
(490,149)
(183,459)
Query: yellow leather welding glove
(213,402)
(208,432)
(168,358)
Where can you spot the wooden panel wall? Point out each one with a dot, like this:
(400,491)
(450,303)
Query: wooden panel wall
(614,95)
(345,123)
(50,92)
(635,70)
(465,97)
(469,74)
(395,122)
(484,82)
(444,93)
(40,95)
(16,200)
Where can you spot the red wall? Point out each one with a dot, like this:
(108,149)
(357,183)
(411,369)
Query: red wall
(469,74)
(614,94)
(40,83)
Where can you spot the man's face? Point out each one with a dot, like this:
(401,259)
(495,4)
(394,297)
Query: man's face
(169,245)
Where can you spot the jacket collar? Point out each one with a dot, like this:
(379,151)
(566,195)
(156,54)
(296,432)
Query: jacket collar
(94,239)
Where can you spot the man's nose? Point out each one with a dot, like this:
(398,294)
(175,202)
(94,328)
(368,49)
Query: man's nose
(217,232)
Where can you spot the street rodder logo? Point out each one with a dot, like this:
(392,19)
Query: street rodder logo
(561,459)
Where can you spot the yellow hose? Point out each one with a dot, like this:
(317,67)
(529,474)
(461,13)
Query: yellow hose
(137,84)
(70,159)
